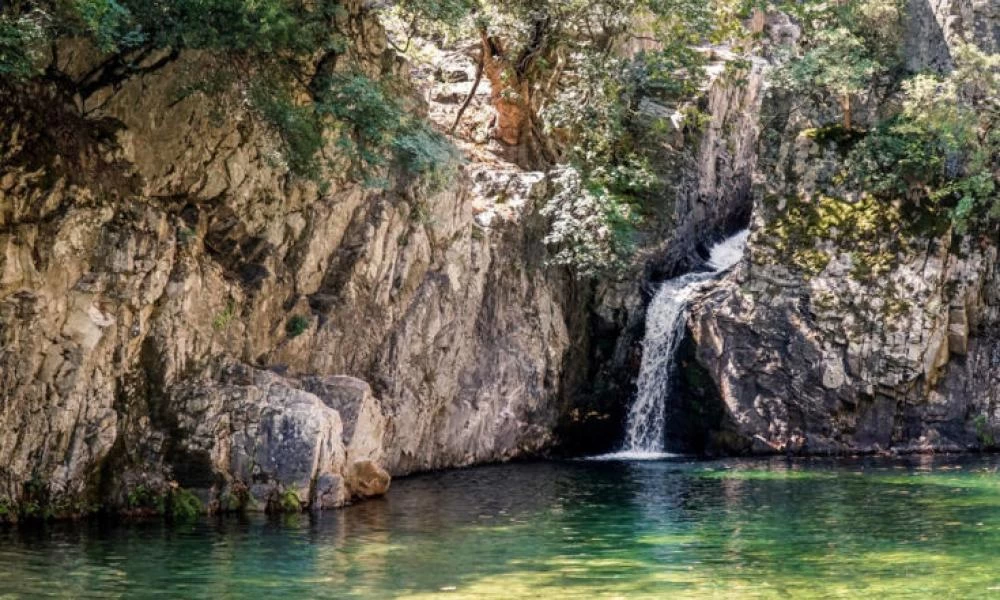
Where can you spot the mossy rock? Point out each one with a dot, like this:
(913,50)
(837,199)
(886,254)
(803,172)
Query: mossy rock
(285,502)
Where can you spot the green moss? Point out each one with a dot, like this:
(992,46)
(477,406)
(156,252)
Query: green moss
(983,432)
(871,231)
(287,502)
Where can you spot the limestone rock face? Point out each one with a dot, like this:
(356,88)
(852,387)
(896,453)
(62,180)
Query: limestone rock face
(831,365)
(152,258)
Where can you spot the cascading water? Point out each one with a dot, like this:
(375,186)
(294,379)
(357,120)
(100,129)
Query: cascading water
(665,320)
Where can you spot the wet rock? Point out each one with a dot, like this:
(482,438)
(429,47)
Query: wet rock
(365,479)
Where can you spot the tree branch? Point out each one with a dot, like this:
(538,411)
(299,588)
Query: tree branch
(472,92)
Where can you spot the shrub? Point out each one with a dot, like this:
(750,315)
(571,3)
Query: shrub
(21,44)
(983,431)
(286,502)
(298,126)
(296,326)
(272,49)
(182,504)
(142,497)
(376,127)
(222,320)
(592,227)
(942,147)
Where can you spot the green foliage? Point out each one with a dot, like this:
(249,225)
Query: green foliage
(144,498)
(35,500)
(299,127)
(222,320)
(422,151)
(838,61)
(983,432)
(261,27)
(185,235)
(375,125)
(21,46)
(371,118)
(448,12)
(938,150)
(592,225)
(287,502)
(270,50)
(8,511)
(942,147)
(847,48)
(183,504)
(296,326)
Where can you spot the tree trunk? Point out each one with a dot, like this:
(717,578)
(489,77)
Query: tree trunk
(511,94)
(845,106)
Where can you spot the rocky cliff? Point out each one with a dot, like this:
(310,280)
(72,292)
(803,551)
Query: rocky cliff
(843,330)
(176,309)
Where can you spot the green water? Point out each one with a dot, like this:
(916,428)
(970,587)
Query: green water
(917,528)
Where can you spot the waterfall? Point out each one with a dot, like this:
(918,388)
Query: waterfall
(665,323)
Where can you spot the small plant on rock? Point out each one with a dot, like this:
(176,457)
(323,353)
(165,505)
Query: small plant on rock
(287,502)
(182,504)
(296,326)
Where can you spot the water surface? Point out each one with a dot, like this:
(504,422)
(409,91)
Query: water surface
(915,528)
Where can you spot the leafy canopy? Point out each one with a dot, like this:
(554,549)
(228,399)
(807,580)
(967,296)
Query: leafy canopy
(275,51)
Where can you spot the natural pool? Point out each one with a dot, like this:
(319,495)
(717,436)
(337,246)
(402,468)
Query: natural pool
(905,528)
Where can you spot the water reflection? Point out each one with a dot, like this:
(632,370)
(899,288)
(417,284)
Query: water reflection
(681,529)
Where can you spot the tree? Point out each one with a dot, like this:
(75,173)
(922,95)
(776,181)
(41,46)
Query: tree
(280,54)
(21,44)
(533,51)
(839,63)
(847,46)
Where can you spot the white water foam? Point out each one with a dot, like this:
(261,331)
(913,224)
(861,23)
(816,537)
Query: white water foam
(634,455)
(665,322)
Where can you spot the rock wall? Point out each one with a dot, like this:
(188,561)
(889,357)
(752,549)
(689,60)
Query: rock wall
(177,310)
(868,338)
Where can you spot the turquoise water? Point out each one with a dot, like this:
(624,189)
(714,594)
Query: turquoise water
(916,528)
